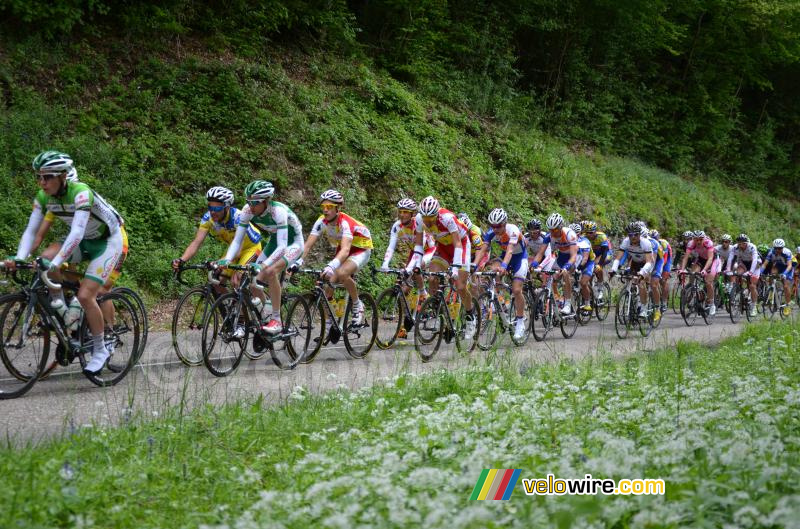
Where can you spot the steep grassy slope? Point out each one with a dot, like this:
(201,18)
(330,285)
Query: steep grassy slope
(153,126)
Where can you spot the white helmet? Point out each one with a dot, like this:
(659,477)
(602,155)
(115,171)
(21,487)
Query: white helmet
(220,194)
(726,238)
(72,175)
(576,227)
(331,195)
(778,243)
(429,206)
(407,203)
(497,216)
(464,218)
(555,221)
(654,234)
(52,162)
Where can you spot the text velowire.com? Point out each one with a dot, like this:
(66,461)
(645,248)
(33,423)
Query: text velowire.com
(552,486)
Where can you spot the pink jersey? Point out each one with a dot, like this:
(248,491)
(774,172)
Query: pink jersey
(704,250)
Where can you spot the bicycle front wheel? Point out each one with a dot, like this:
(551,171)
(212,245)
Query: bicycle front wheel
(621,315)
(295,337)
(602,306)
(24,345)
(428,327)
(490,315)
(689,305)
(544,315)
(141,313)
(735,304)
(390,317)
(359,335)
(223,347)
(187,326)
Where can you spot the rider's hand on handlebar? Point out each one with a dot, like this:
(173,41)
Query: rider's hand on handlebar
(176,263)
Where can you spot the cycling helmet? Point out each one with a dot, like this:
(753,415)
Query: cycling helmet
(331,195)
(575,227)
(726,238)
(220,194)
(778,243)
(699,233)
(497,216)
(555,221)
(763,249)
(742,238)
(654,234)
(72,175)
(407,203)
(633,229)
(688,234)
(53,162)
(259,189)
(589,225)
(464,218)
(429,206)
(641,224)
(534,224)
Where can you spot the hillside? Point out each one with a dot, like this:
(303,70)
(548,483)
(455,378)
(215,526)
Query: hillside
(153,124)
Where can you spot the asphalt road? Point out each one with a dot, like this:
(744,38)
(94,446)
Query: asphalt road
(67,400)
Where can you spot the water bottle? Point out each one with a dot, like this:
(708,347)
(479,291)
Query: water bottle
(259,305)
(58,306)
(73,317)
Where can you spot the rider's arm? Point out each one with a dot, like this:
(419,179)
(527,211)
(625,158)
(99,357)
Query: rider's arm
(387,257)
(449,222)
(619,255)
(650,262)
(74,238)
(28,237)
(41,233)
(194,246)
(729,264)
(754,260)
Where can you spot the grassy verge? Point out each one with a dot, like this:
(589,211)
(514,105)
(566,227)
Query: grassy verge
(720,426)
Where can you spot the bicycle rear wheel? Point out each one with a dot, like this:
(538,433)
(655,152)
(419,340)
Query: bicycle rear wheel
(569,323)
(464,344)
(24,345)
(141,313)
(689,305)
(390,317)
(222,351)
(622,313)
(735,304)
(602,306)
(292,344)
(429,327)
(491,319)
(122,337)
(187,326)
(360,337)
(544,316)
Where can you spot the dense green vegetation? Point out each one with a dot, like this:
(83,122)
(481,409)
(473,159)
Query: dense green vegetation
(719,426)
(158,101)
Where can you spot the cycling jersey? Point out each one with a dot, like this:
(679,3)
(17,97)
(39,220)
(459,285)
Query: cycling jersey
(453,245)
(402,237)
(511,237)
(344,227)
(225,231)
(748,258)
(601,245)
(476,238)
(704,250)
(103,219)
(585,253)
(724,254)
(280,224)
(639,252)
(562,243)
(781,257)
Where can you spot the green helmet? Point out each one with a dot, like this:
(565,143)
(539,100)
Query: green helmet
(259,189)
(53,162)
(763,249)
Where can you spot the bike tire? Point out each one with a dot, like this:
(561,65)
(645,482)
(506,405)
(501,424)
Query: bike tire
(603,306)
(221,321)
(21,369)
(187,326)
(544,318)
(286,352)
(390,317)
(359,339)
(429,327)
(317,319)
(621,314)
(491,318)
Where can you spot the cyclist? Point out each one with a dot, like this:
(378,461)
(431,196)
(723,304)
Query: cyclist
(221,221)
(701,248)
(514,260)
(724,251)
(94,236)
(475,240)
(642,252)
(453,248)
(601,247)
(584,265)
(353,243)
(780,258)
(748,263)
(283,248)
(665,271)
(564,241)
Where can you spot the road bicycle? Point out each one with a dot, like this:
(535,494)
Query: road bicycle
(331,319)
(234,316)
(30,326)
(498,313)
(443,317)
(627,312)
(396,309)
(773,300)
(547,313)
(740,302)
(190,312)
(693,299)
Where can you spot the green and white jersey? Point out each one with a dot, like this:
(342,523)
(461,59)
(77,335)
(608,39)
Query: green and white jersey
(276,216)
(103,219)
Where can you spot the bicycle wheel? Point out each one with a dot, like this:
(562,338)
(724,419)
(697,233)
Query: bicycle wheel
(222,351)
(317,320)
(187,326)
(428,327)
(569,323)
(123,338)
(491,319)
(602,306)
(646,323)
(24,345)
(735,304)
(526,313)
(141,312)
(689,305)
(359,337)
(622,313)
(293,342)
(390,310)
(464,344)
(544,317)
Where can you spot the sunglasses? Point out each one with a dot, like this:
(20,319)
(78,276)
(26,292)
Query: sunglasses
(255,202)
(45,176)
(497,226)
(328,207)
(216,209)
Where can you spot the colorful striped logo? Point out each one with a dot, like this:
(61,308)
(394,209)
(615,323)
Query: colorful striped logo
(495,484)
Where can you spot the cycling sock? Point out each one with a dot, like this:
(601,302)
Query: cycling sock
(98,343)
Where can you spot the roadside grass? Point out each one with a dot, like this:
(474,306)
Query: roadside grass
(721,426)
